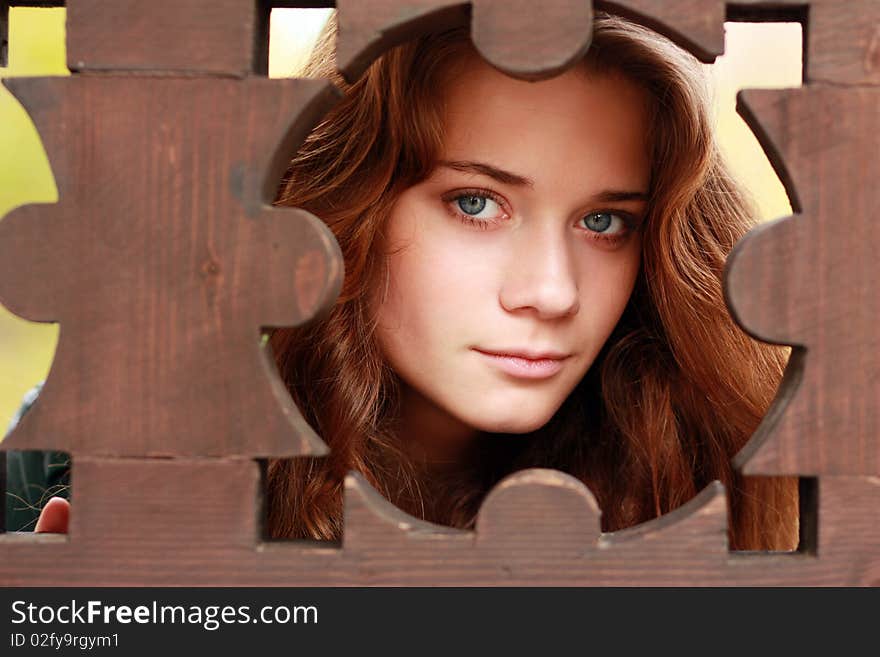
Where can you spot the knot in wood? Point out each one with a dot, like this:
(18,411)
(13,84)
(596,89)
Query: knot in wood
(210,267)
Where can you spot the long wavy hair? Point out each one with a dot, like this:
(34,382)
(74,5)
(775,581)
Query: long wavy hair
(674,393)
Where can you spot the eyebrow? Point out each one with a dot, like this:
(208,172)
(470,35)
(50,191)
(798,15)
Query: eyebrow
(508,178)
(500,175)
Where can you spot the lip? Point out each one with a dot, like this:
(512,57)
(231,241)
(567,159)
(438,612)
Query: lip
(520,366)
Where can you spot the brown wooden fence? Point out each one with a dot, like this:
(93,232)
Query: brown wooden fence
(168,483)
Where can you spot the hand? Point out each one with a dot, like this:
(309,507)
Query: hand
(54,516)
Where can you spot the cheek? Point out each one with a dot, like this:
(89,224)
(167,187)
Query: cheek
(608,285)
(434,287)
(432,290)
(622,276)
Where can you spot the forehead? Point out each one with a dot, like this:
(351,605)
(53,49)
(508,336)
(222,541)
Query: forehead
(578,122)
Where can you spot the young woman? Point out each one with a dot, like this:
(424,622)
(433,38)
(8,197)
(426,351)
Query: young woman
(533,279)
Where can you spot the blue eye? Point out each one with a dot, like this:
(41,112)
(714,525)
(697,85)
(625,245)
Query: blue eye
(600,222)
(472,204)
(479,208)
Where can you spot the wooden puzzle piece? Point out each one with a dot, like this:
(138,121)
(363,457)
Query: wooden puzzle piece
(118,502)
(849,528)
(164,261)
(204,36)
(186,521)
(524,39)
(194,522)
(785,280)
(535,525)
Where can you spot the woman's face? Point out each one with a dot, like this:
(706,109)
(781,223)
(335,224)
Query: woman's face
(524,239)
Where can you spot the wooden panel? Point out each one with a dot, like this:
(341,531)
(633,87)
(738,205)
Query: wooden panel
(849,529)
(810,280)
(369,28)
(144,520)
(525,39)
(208,36)
(162,260)
(535,527)
(165,261)
(844,42)
(184,506)
(191,522)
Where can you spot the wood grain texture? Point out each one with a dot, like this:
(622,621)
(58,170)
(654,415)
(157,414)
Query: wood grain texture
(528,40)
(194,522)
(525,39)
(164,262)
(538,511)
(811,280)
(844,42)
(204,36)
(188,505)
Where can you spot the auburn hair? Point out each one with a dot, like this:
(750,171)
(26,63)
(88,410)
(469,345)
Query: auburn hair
(673,395)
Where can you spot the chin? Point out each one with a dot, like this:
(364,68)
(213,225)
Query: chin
(517,424)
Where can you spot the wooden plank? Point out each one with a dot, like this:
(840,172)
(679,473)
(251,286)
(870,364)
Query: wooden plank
(849,527)
(186,506)
(844,42)
(192,522)
(165,261)
(204,36)
(522,38)
(810,280)
(525,39)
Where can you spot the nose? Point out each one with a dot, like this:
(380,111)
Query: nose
(541,274)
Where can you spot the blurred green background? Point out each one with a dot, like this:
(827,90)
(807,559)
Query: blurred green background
(756,55)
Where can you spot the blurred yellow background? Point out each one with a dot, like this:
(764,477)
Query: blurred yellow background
(756,55)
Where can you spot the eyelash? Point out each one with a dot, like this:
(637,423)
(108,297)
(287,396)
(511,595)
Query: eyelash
(480,224)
